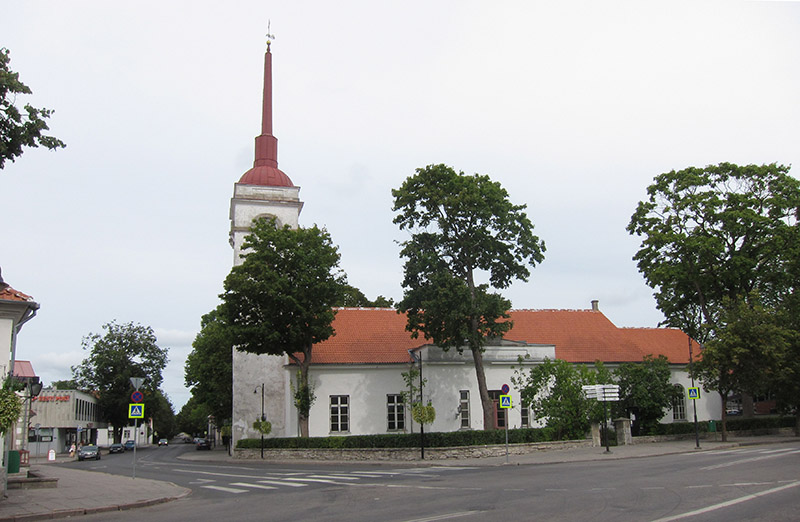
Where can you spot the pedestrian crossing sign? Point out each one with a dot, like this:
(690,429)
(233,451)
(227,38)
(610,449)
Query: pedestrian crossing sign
(505,401)
(136,411)
(694,393)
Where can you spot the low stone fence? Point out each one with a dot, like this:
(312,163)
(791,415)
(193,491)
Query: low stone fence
(406,454)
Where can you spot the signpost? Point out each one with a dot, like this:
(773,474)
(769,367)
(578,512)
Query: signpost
(505,404)
(602,392)
(136,412)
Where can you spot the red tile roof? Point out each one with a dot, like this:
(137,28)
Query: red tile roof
(23,369)
(378,336)
(9,294)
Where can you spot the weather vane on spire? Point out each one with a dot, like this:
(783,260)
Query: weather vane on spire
(270,36)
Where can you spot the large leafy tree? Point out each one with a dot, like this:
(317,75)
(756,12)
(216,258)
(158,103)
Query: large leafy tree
(716,233)
(645,389)
(462,228)
(208,371)
(20,128)
(123,351)
(745,354)
(280,299)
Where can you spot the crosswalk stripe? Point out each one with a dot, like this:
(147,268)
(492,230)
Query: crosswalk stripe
(257,486)
(226,490)
(282,483)
(334,477)
(322,481)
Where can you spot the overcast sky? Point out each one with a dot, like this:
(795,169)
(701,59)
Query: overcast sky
(573,107)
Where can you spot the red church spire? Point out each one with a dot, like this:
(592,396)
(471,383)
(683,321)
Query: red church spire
(265,167)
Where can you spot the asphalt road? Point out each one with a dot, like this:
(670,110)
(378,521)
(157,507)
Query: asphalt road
(748,483)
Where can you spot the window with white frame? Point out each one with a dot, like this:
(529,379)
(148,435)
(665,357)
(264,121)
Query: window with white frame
(340,413)
(525,412)
(679,404)
(463,408)
(395,413)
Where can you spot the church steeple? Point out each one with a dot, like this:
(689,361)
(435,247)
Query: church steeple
(265,170)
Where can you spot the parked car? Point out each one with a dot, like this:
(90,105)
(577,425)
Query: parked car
(130,444)
(116,448)
(163,442)
(89,452)
(203,444)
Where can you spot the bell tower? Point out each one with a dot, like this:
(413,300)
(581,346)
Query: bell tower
(263,191)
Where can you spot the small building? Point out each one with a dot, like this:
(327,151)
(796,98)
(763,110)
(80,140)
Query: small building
(60,418)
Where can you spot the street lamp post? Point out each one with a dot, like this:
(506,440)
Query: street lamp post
(694,403)
(263,417)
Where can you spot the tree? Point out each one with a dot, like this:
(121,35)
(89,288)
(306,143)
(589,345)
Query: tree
(554,392)
(193,417)
(280,299)
(18,130)
(66,384)
(716,233)
(353,297)
(462,228)
(209,367)
(645,388)
(10,409)
(745,355)
(124,351)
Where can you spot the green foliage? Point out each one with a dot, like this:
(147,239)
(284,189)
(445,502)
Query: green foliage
(20,129)
(353,297)
(553,389)
(304,395)
(209,366)
(645,387)
(423,414)
(66,384)
(263,427)
(717,233)
(124,351)
(193,417)
(280,299)
(461,227)
(10,409)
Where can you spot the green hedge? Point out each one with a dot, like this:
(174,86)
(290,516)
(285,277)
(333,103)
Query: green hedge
(405,440)
(481,438)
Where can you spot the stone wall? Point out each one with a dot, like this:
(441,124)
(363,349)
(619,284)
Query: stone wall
(405,454)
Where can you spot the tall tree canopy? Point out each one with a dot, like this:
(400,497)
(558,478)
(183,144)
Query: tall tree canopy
(645,389)
(280,299)
(208,371)
(18,129)
(716,233)
(462,228)
(124,351)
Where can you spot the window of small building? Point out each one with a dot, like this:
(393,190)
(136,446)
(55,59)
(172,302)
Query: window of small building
(395,412)
(340,413)
(679,404)
(463,408)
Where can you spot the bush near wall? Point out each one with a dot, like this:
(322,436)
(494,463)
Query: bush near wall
(405,440)
(734,424)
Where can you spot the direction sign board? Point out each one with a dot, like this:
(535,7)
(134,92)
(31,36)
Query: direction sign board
(136,411)
(505,401)
(694,393)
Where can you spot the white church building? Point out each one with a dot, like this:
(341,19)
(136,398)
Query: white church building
(356,374)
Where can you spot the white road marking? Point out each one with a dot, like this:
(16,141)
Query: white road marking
(445,516)
(226,490)
(751,459)
(281,483)
(334,477)
(728,503)
(321,481)
(247,485)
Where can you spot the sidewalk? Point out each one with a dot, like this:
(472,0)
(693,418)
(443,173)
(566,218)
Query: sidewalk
(86,492)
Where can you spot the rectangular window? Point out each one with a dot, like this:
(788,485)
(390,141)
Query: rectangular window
(526,416)
(679,404)
(499,413)
(340,413)
(463,408)
(395,413)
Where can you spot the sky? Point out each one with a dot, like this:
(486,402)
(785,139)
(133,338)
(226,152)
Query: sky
(573,107)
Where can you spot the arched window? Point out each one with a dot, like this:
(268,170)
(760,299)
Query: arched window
(679,404)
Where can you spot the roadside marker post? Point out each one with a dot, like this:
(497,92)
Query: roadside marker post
(505,404)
